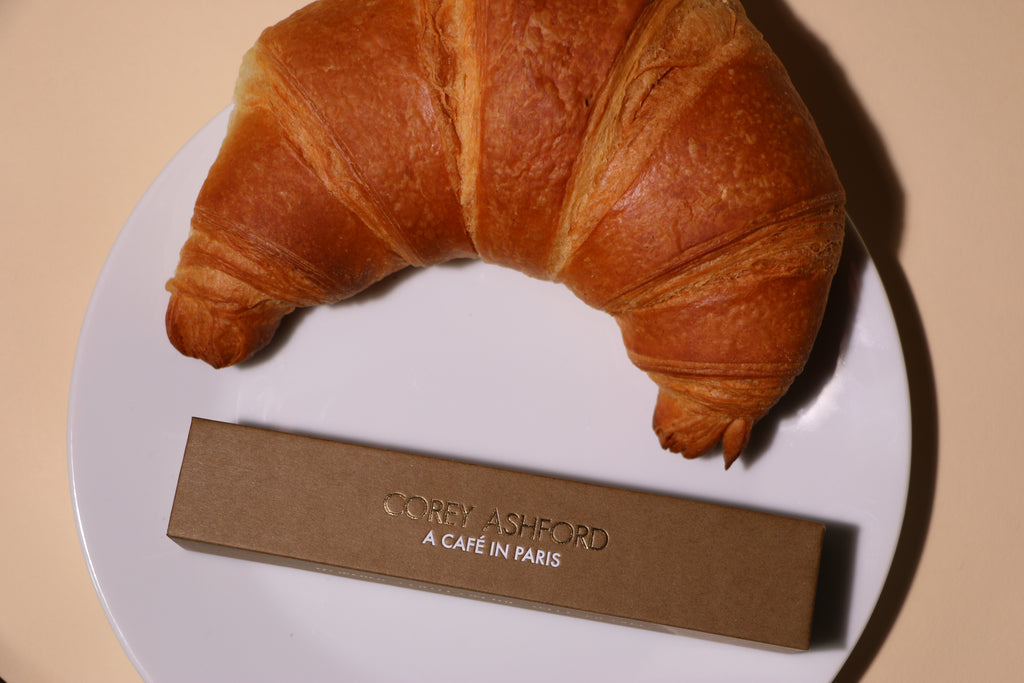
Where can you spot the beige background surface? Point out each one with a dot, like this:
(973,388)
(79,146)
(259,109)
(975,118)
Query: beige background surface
(920,101)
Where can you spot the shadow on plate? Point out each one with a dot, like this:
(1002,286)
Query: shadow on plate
(829,347)
(378,290)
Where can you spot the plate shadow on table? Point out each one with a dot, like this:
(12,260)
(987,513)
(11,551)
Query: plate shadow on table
(875,200)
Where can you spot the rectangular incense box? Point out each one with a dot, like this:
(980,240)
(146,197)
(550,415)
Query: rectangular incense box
(634,558)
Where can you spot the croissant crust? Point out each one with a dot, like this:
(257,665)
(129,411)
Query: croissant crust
(651,156)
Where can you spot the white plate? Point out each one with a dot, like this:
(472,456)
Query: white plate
(468,361)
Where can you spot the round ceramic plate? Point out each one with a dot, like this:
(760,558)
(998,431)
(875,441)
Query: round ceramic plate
(466,361)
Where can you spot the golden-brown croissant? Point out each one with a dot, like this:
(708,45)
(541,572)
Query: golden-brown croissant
(651,155)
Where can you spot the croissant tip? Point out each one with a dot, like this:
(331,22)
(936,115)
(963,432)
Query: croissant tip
(219,335)
(692,443)
(729,458)
(735,439)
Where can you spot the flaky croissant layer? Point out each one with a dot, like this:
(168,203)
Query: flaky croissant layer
(652,156)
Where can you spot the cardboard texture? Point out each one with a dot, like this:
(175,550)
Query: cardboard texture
(634,558)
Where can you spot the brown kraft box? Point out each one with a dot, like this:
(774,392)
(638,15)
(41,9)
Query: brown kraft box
(635,558)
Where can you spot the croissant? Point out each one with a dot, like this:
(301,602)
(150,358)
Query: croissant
(650,155)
